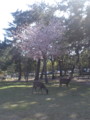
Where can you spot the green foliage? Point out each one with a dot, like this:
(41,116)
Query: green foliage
(76,45)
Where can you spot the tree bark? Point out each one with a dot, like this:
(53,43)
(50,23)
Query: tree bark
(41,77)
(26,74)
(45,70)
(26,69)
(72,70)
(60,67)
(37,70)
(19,70)
(53,76)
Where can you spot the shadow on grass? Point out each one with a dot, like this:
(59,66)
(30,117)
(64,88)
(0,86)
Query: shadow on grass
(18,103)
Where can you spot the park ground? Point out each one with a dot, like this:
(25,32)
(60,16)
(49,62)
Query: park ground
(18,103)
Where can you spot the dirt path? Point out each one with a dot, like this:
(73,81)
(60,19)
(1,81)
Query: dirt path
(84,80)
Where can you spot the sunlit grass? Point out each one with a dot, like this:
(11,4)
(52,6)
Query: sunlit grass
(21,105)
(18,103)
(11,86)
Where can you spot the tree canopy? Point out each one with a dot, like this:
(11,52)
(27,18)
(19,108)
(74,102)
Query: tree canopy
(52,32)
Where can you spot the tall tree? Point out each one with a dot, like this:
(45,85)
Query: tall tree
(38,41)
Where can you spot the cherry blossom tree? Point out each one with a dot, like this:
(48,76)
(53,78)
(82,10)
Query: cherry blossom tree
(40,40)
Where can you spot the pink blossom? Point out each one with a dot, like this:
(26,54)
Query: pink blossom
(41,40)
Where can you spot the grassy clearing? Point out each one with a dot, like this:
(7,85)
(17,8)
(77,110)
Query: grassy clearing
(17,102)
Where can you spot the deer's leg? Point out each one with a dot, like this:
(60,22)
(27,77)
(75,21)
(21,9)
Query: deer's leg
(60,85)
(33,89)
(40,90)
(67,84)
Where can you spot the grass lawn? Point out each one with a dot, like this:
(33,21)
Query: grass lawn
(62,103)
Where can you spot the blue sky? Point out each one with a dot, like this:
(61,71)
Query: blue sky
(9,6)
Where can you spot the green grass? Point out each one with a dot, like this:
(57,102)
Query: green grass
(62,103)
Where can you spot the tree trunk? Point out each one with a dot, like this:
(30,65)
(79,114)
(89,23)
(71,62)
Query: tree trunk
(26,76)
(41,77)
(53,77)
(19,71)
(26,69)
(72,70)
(78,59)
(60,67)
(37,70)
(45,70)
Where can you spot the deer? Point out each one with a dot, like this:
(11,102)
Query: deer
(65,81)
(40,85)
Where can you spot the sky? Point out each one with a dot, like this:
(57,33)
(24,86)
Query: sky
(9,6)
